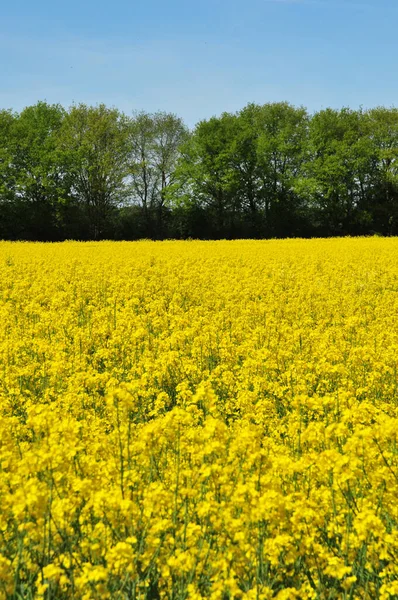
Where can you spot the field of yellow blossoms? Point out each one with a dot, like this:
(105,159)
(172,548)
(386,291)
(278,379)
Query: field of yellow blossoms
(187,420)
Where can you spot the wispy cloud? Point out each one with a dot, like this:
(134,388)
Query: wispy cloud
(287,1)
(329,4)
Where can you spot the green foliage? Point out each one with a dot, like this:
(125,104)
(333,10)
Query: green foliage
(266,171)
(155,140)
(243,166)
(31,181)
(93,150)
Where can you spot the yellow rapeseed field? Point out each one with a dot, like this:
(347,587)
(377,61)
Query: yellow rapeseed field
(188,420)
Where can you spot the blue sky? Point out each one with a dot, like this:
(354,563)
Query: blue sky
(201,58)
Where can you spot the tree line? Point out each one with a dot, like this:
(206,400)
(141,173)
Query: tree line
(269,170)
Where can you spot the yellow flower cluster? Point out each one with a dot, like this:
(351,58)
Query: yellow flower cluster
(187,420)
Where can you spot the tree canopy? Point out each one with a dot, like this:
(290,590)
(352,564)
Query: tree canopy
(272,170)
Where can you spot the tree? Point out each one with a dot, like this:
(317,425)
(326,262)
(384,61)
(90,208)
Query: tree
(246,173)
(205,175)
(32,179)
(94,147)
(242,168)
(336,179)
(7,184)
(271,153)
(7,119)
(155,140)
(382,126)
(170,134)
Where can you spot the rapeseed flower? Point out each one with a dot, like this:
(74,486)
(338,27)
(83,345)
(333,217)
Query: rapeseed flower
(199,420)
